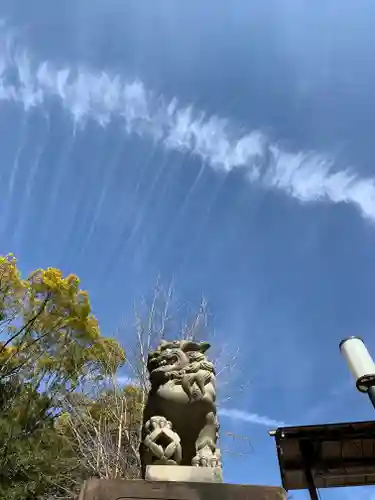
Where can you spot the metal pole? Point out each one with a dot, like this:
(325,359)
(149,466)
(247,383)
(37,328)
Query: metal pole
(371,394)
(308,452)
(311,484)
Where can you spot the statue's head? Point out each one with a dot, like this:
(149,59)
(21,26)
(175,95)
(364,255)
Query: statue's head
(175,356)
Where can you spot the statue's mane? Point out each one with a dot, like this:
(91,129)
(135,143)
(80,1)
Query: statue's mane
(194,353)
(186,346)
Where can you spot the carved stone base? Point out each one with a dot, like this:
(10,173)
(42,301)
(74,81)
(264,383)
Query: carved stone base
(184,474)
(115,489)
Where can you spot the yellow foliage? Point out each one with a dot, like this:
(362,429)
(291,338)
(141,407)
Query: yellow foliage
(12,287)
(50,324)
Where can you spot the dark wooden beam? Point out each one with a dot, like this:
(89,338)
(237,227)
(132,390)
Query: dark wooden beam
(333,465)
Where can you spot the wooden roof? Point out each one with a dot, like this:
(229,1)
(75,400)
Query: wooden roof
(337,454)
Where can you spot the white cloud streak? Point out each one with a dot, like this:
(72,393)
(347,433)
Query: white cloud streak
(102,97)
(251,418)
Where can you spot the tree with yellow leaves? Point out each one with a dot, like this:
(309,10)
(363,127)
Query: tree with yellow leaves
(50,346)
(49,332)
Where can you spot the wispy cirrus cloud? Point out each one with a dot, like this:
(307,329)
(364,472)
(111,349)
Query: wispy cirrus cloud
(251,418)
(99,96)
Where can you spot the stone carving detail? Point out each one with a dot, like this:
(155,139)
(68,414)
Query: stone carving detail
(180,420)
(162,444)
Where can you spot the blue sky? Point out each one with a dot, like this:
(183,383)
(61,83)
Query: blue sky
(225,145)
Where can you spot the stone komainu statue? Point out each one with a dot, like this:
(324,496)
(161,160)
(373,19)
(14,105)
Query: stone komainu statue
(180,425)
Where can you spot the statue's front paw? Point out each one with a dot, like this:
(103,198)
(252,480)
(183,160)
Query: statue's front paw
(157,422)
(207,458)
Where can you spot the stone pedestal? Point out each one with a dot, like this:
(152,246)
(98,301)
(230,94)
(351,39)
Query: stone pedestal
(184,474)
(121,489)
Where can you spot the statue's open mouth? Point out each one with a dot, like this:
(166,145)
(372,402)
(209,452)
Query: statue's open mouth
(166,362)
(169,361)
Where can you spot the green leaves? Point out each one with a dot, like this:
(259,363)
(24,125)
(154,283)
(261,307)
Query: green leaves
(52,345)
(31,451)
